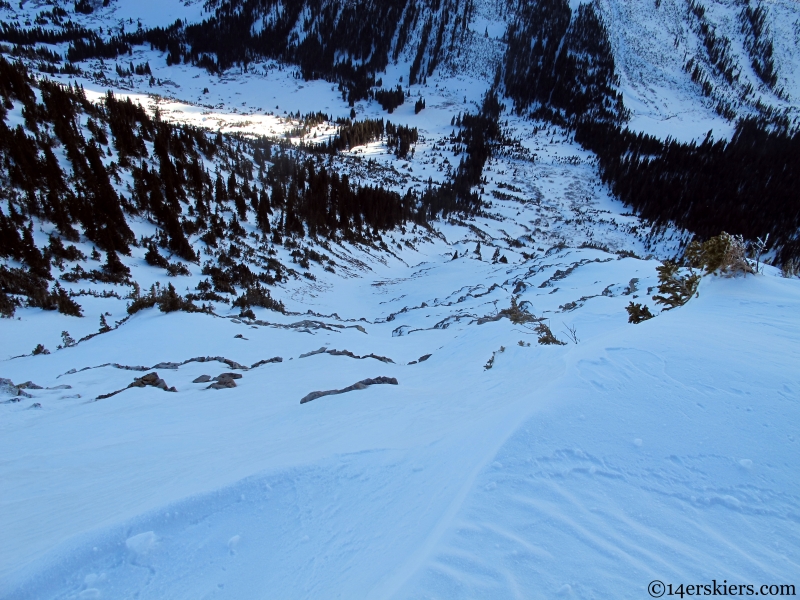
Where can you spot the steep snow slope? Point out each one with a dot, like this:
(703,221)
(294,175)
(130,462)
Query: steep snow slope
(660,451)
(653,43)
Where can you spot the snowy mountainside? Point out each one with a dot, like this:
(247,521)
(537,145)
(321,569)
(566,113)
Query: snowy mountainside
(680,62)
(654,42)
(384,353)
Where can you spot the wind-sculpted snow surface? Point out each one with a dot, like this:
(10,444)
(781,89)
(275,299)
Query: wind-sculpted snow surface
(664,450)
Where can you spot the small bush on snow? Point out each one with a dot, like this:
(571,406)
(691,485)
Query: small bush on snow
(724,253)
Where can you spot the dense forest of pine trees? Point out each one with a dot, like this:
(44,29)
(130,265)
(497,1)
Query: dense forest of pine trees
(745,186)
(289,194)
(347,43)
(399,138)
(559,66)
(758,42)
(479,134)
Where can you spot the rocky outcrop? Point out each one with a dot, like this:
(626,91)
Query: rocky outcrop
(361,385)
(334,352)
(149,380)
(224,381)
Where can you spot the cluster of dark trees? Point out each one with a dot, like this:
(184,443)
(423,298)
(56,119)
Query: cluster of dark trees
(389,99)
(346,43)
(758,42)
(746,186)
(717,48)
(399,138)
(479,134)
(328,204)
(68,32)
(357,133)
(288,193)
(559,66)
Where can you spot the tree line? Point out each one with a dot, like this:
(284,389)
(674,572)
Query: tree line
(746,186)
(559,66)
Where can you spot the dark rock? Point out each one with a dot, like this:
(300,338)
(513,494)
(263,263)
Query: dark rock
(381,380)
(314,352)
(7,387)
(29,385)
(224,376)
(202,379)
(315,395)
(276,359)
(166,365)
(363,384)
(149,380)
(232,364)
(335,352)
(424,358)
(222,384)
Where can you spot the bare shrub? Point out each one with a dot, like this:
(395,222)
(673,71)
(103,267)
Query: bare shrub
(546,336)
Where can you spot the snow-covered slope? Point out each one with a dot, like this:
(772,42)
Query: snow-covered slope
(661,451)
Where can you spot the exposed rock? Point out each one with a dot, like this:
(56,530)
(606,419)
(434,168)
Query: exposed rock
(224,381)
(7,387)
(149,380)
(29,385)
(202,379)
(420,359)
(313,352)
(222,384)
(166,365)
(363,384)
(276,359)
(222,376)
(335,352)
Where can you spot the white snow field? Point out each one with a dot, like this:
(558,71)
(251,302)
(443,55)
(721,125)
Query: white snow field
(666,450)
